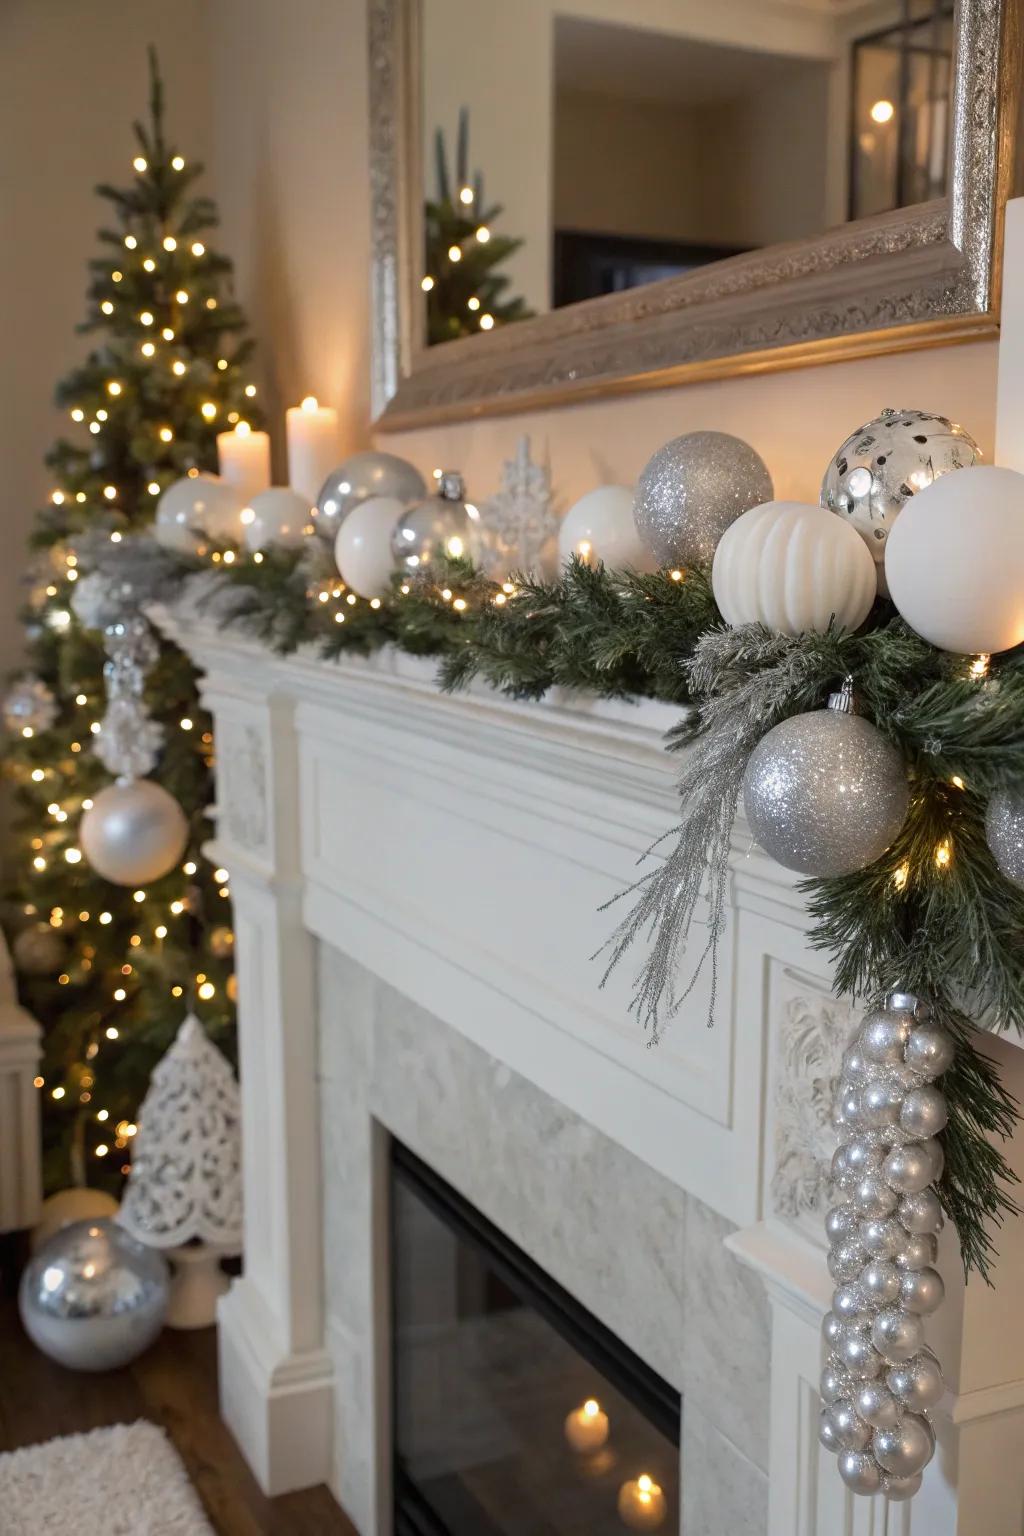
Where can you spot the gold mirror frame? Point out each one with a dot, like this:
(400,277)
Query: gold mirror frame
(917,277)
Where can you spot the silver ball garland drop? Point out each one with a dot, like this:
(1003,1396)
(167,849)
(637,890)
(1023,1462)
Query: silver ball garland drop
(879,1380)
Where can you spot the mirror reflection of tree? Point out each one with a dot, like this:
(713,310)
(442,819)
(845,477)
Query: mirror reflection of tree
(465,290)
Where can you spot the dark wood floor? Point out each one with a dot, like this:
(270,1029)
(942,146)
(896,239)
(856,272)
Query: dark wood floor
(175,1385)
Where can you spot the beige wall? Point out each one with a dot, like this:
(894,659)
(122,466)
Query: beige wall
(72,78)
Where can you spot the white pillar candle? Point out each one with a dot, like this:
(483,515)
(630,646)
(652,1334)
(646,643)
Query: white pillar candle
(586,1428)
(244,458)
(312,431)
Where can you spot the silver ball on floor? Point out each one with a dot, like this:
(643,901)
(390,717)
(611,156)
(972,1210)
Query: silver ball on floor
(92,1297)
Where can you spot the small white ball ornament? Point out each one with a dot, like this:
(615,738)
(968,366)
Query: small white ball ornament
(955,561)
(793,567)
(362,549)
(278,516)
(133,832)
(599,527)
(194,506)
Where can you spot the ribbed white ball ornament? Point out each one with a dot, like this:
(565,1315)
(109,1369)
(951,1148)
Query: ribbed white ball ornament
(363,550)
(954,561)
(793,567)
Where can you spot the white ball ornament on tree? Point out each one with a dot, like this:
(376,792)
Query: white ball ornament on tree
(276,517)
(363,551)
(825,794)
(600,527)
(134,832)
(955,561)
(793,567)
(691,491)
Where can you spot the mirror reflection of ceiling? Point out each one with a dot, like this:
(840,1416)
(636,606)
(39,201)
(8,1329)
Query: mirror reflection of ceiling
(581,147)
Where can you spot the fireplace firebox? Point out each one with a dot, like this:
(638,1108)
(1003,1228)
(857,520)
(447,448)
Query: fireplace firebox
(515,1412)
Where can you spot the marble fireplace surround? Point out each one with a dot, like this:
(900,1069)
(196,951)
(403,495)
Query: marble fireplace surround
(416,882)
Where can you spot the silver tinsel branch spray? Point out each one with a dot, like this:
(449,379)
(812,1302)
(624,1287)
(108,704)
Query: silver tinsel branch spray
(879,1380)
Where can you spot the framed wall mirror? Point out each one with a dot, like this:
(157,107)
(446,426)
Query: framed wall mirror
(575,197)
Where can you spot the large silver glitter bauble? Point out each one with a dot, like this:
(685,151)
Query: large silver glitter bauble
(92,1297)
(825,793)
(361,476)
(692,490)
(29,706)
(133,832)
(881,465)
(1004,832)
(443,525)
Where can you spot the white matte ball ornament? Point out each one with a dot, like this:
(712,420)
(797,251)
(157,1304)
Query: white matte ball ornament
(954,561)
(600,526)
(278,516)
(194,506)
(133,832)
(793,567)
(362,549)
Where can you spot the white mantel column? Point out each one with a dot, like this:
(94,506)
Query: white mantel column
(275,1376)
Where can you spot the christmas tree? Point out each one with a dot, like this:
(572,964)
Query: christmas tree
(465,291)
(109,971)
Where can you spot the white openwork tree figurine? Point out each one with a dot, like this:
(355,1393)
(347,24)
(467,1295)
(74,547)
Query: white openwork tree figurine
(184,1192)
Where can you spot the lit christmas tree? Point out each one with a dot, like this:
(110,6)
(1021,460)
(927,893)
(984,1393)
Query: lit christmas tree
(465,291)
(109,970)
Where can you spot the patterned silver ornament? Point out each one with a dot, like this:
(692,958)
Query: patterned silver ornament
(361,476)
(1004,832)
(691,491)
(29,706)
(92,1297)
(873,474)
(445,524)
(825,794)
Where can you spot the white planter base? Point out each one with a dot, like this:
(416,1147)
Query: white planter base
(198,1284)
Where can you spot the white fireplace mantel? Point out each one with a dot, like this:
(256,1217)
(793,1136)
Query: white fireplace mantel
(459,849)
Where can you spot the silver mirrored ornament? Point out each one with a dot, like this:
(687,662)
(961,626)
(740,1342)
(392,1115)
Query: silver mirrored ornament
(918,1382)
(860,1356)
(359,477)
(899,1489)
(909,1169)
(825,794)
(874,473)
(845,1261)
(897,1334)
(874,1197)
(930,1050)
(859,1472)
(840,1222)
(92,1297)
(1004,832)
(692,490)
(445,525)
(906,1448)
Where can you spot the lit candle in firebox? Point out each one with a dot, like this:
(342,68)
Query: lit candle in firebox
(586,1428)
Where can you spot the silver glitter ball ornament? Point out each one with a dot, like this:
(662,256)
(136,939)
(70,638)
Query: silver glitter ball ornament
(897,1334)
(919,1250)
(851,1433)
(827,1432)
(860,1357)
(357,479)
(879,1283)
(921,1291)
(859,1472)
(840,1222)
(846,1109)
(906,1448)
(917,1382)
(883,1037)
(930,1050)
(923,1112)
(825,794)
(29,706)
(872,476)
(831,1332)
(921,1212)
(899,1489)
(881,1105)
(855,1063)
(910,1169)
(883,1238)
(442,525)
(1004,832)
(863,1156)
(847,1303)
(845,1261)
(692,490)
(92,1297)
(877,1406)
(874,1197)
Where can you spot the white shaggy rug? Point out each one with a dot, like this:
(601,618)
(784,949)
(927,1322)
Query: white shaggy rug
(124,1481)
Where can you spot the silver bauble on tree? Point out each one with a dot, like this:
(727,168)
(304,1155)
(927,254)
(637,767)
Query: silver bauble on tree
(134,832)
(39,950)
(825,794)
(874,473)
(356,479)
(692,490)
(92,1297)
(879,1379)
(442,525)
(1004,832)
(29,706)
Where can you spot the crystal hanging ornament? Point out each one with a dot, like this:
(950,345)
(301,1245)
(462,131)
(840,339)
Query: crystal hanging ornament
(129,741)
(518,525)
(880,1381)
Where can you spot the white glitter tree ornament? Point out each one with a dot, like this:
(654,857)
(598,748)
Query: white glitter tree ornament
(184,1192)
(519,525)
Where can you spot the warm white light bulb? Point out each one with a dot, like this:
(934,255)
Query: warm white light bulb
(178,163)
(113,388)
(454,253)
(883,112)
(242,429)
(487,322)
(167,333)
(483,234)
(473,303)
(178,367)
(130,242)
(107,307)
(170,244)
(426,283)
(198,248)
(149,265)
(140,164)
(110,491)
(181,296)
(466,195)
(250,390)
(208,409)
(147,349)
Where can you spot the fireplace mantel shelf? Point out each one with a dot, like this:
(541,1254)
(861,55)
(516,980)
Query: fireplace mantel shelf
(460,848)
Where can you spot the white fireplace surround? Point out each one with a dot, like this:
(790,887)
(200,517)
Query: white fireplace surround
(416,882)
